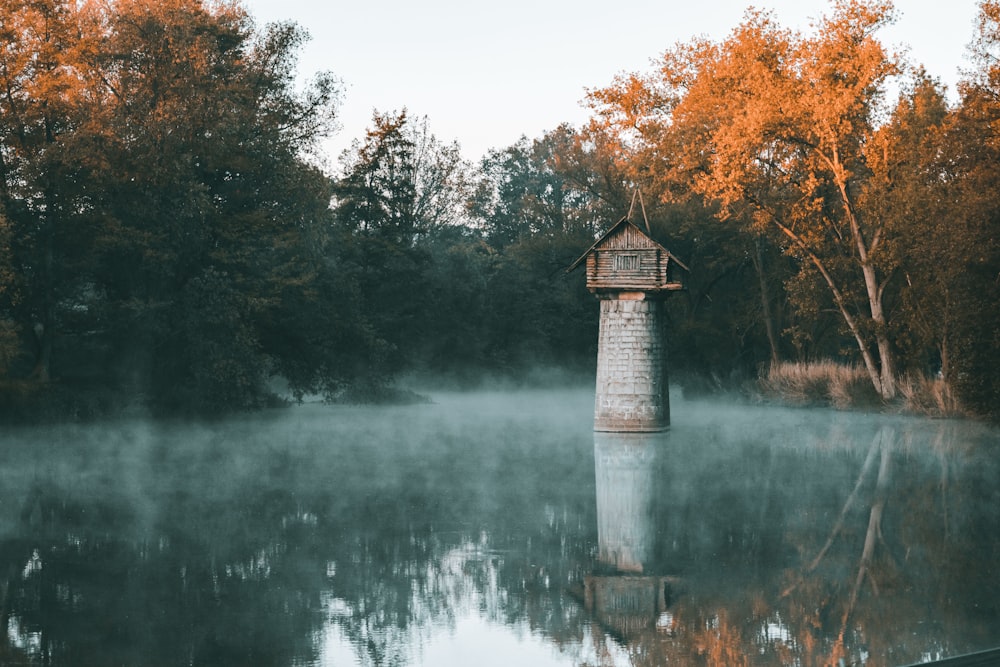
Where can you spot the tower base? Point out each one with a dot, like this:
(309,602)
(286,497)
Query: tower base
(632,390)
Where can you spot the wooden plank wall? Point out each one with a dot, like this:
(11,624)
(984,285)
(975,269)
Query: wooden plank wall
(637,268)
(628,238)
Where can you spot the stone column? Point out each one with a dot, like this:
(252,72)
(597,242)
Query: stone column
(631,365)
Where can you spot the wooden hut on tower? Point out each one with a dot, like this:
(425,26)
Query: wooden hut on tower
(631,274)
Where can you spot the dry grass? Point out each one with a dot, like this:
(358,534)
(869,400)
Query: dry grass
(852,388)
(818,383)
(848,386)
(929,396)
(843,386)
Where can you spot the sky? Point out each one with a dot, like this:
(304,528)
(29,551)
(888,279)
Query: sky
(485,74)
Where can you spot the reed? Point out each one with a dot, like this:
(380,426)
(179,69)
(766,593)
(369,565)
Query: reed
(812,383)
(843,386)
(929,396)
(848,387)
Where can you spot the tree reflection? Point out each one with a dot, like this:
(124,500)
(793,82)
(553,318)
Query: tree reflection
(233,549)
(717,543)
(782,566)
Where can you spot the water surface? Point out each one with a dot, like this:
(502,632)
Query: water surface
(499,529)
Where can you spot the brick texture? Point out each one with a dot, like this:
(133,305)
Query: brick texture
(631,367)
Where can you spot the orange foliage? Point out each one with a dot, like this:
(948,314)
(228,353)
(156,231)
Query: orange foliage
(771,126)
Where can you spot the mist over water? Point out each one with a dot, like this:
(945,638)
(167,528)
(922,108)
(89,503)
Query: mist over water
(498,528)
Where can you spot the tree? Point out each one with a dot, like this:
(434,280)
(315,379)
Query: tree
(539,204)
(40,104)
(970,237)
(207,182)
(155,175)
(550,185)
(909,190)
(378,192)
(10,345)
(401,182)
(401,188)
(773,129)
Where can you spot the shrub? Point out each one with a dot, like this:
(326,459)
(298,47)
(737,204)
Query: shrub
(820,383)
(848,386)
(929,396)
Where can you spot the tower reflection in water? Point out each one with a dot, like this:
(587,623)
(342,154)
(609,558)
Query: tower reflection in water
(626,594)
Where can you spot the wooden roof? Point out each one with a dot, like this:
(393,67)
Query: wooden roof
(634,229)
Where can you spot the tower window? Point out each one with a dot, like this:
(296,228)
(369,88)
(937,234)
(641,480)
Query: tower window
(626,262)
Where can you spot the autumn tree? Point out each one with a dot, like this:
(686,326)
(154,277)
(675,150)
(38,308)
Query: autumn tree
(910,191)
(154,171)
(970,234)
(40,105)
(772,129)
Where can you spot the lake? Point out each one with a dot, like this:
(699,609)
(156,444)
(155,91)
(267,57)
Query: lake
(499,529)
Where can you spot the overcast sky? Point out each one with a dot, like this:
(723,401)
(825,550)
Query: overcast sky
(486,73)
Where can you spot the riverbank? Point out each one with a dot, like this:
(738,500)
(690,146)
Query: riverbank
(848,387)
(815,384)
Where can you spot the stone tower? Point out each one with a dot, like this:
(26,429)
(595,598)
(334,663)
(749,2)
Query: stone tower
(631,274)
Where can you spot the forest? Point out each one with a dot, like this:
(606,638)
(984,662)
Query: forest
(169,242)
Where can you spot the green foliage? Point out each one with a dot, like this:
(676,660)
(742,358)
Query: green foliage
(457,340)
(968,235)
(209,349)
(718,324)
(538,314)
(453,297)
(378,193)
(541,187)
(160,207)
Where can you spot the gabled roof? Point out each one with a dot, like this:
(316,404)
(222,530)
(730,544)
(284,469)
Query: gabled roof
(611,232)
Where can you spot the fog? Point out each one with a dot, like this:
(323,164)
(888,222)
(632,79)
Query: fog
(499,522)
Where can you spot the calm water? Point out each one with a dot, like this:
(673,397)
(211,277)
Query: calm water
(497,529)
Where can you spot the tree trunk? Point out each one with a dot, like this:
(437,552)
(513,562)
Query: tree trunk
(944,345)
(45,329)
(765,301)
(887,366)
(838,298)
(874,532)
(885,378)
(886,357)
(43,354)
